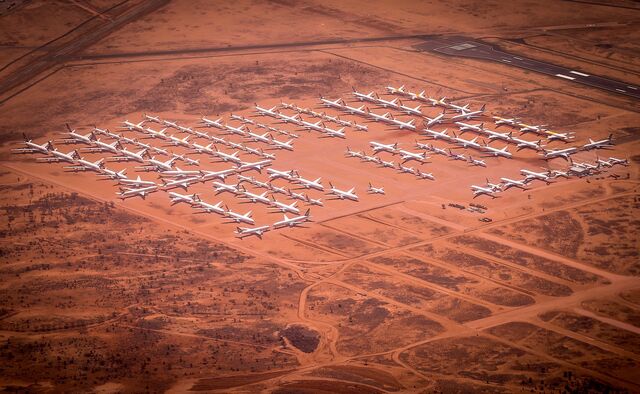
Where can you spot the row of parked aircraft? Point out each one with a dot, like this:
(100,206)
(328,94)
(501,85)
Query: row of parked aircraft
(297,120)
(324,116)
(387,164)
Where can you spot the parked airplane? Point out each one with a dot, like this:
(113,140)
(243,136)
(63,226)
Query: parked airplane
(387,164)
(293,221)
(334,133)
(183,183)
(136,182)
(480,190)
(212,123)
(317,201)
(275,174)
(425,175)
(457,156)
(386,103)
(532,175)
(469,114)
(282,207)
(267,111)
(468,143)
(524,144)
(408,156)
(100,146)
(75,138)
(256,165)
(114,175)
(32,147)
(436,135)
(206,175)
(435,120)
(288,145)
(338,103)
(175,141)
(58,157)
(254,198)
(479,128)
(223,187)
(308,184)
(507,121)
(458,108)
(342,194)
(85,165)
(564,153)
(240,130)
(177,198)
(225,157)
(509,183)
(351,153)
(318,126)
(364,97)
(410,125)
(495,152)
(361,110)
(156,134)
(142,192)
(205,207)
(295,119)
(383,118)
(380,147)
(156,165)
(265,138)
(375,190)
(602,144)
(133,126)
(242,232)
(406,170)
(410,110)
(151,118)
(477,162)
(622,162)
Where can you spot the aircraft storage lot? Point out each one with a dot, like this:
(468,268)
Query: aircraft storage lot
(398,292)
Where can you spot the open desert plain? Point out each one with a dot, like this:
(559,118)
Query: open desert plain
(312,196)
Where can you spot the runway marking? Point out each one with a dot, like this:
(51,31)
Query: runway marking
(506,60)
(632,87)
(620,90)
(565,76)
(519,58)
(579,73)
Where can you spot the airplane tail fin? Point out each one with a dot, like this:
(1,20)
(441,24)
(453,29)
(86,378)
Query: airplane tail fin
(307,213)
(483,107)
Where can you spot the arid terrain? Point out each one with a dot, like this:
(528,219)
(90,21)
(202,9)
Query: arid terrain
(409,291)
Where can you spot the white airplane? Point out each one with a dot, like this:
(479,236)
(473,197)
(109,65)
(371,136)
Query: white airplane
(539,129)
(235,145)
(223,187)
(133,126)
(295,119)
(239,218)
(507,121)
(32,147)
(495,152)
(622,162)
(564,153)
(558,173)
(458,108)
(78,138)
(351,153)
(275,174)
(308,184)
(204,149)
(277,189)
(343,194)
(392,90)
(288,145)
(438,135)
(256,165)
(410,125)
(336,119)
(380,147)
(387,164)
(588,166)
(318,126)
(509,183)
(408,156)
(100,146)
(225,157)
(58,157)
(254,198)
(317,201)
(361,110)
(457,156)
(494,135)
(371,159)
(603,163)
(296,196)
(294,221)
(532,175)
(156,134)
(267,111)
(107,133)
(156,165)
(178,173)
(115,175)
(524,144)
(375,190)
(552,135)
(364,97)
(205,207)
(410,110)
(361,127)
(602,144)
(242,119)
(477,162)
(266,137)
(406,170)
(440,118)
(240,130)
(136,182)
(470,114)
(212,123)
(480,190)
(175,141)
(175,125)
(282,207)
(151,118)
(177,198)
(479,128)
(242,232)
(182,183)
(266,155)
(378,118)
(338,103)
(142,192)
(331,133)
(84,165)
(425,175)
(386,103)
(468,143)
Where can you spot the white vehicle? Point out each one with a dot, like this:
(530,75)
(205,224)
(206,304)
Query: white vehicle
(343,194)
(494,135)
(204,149)
(151,118)
(266,155)
(622,162)
(425,175)
(351,153)
(469,114)
(277,189)
(317,201)
(558,173)
(318,126)
(136,182)
(32,147)
(378,118)
(457,156)
(408,156)
(364,97)
(142,192)
(212,123)
(386,103)
(361,110)
(387,164)
(254,198)
(275,174)
(495,152)
(532,175)
(539,129)
(156,134)
(266,111)
(392,90)
(487,191)
(100,146)
(375,190)
(361,127)
(175,125)
(288,145)
(182,183)
(479,128)
(506,121)
(331,133)
(84,165)
(296,196)
(438,135)
(602,144)
(75,138)
(409,110)
(473,143)
(509,183)
(477,162)
(175,141)
(440,118)
(205,207)
(565,137)
(458,108)
(226,157)
(256,165)
(338,103)
(406,170)
(563,153)
(177,198)
(282,207)
(242,232)
(266,137)
(295,119)
(239,218)
(221,187)
(410,125)
(115,175)
(107,133)
(156,165)
(294,221)
(240,130)
(524,144)
(160,151)
(308,184)
(371,159)
(380,147)
(133,126)
(242,119)
(58,157)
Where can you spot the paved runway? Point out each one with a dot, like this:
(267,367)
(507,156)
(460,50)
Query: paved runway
(459,46)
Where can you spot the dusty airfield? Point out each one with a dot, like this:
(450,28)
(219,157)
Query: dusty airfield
(392,293)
